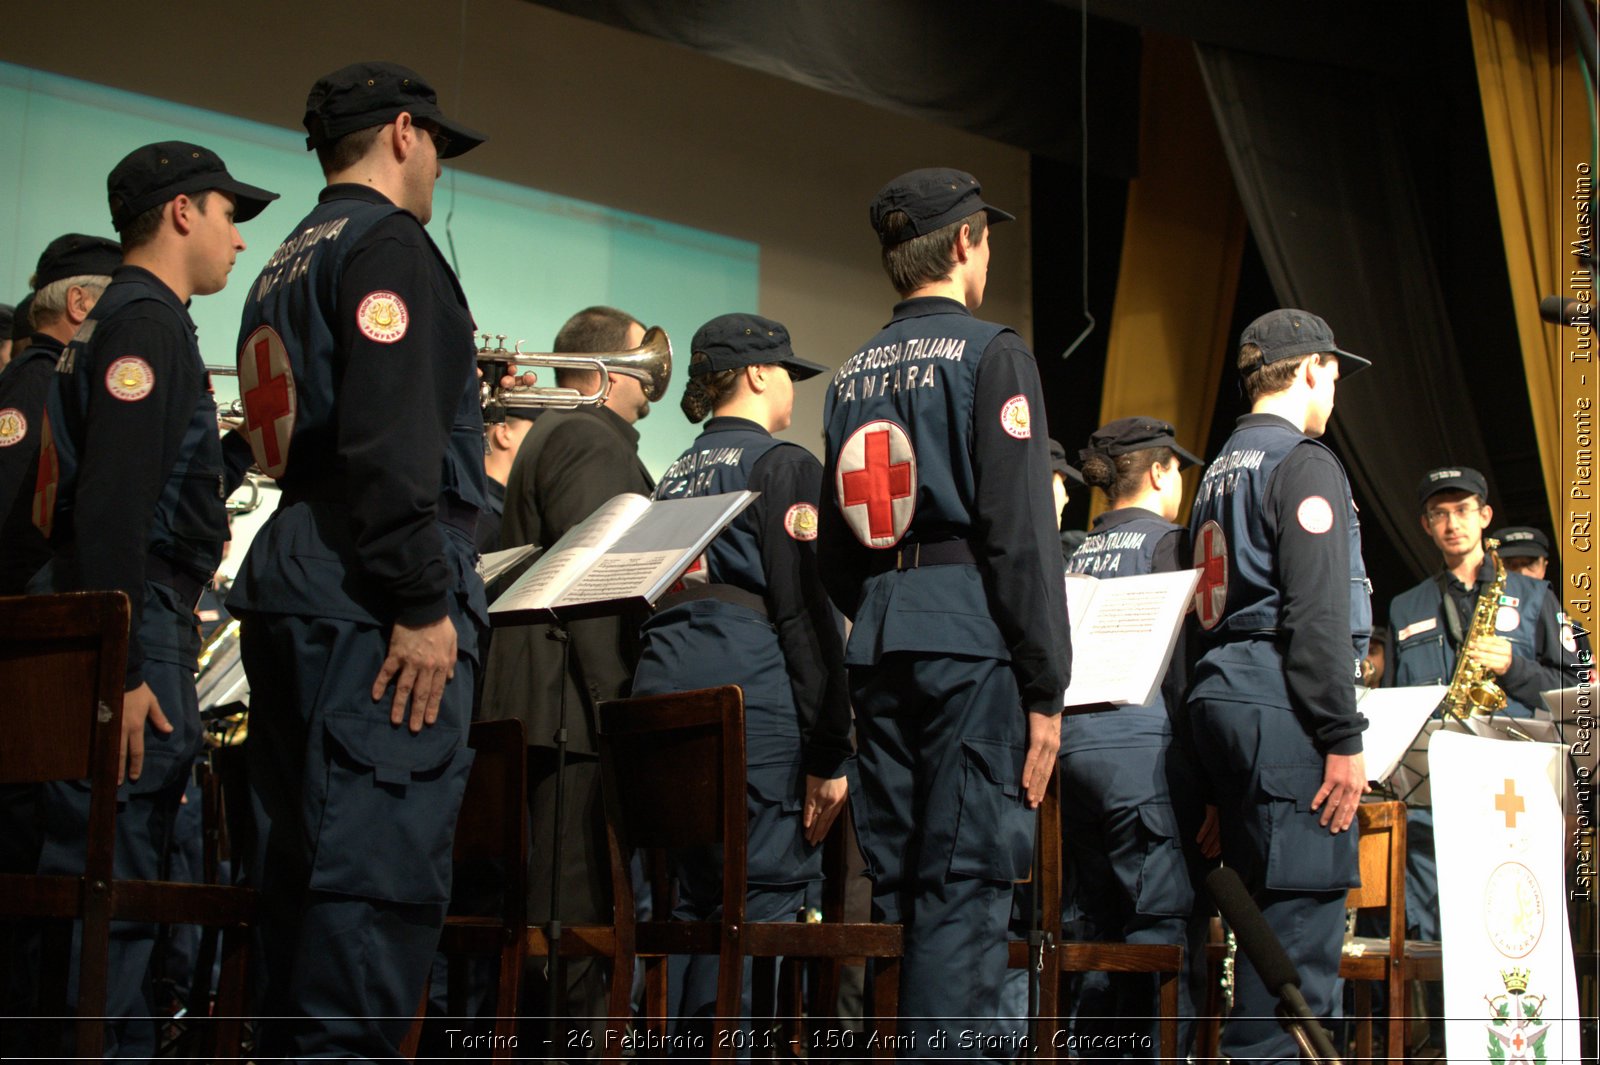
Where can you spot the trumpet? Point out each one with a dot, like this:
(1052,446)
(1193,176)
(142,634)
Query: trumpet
(650,364)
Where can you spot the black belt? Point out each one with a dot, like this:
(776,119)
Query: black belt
(916,555)
(726,593)
(186,584)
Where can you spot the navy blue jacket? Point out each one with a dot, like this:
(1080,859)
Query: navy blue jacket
(24,384)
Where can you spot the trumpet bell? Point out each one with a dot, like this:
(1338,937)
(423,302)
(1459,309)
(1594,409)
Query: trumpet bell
(650,364)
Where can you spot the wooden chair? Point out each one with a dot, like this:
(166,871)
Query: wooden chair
(1070,956)
(61,668)
(1392,960)
(674,773)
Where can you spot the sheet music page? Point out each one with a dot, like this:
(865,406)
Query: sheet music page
(1123,633)
(572,555)
(495,563)
(1395,716)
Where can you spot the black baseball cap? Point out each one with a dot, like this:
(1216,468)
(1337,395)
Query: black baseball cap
(732,341)
(77,255)
(363,95)
(19,327)
(932,198)
(1522,541)
(1136,434)
(1288,333)
(1452,479)
(1059,464)
(154,174)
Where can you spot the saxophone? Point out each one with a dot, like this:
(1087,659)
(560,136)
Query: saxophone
(1473,690)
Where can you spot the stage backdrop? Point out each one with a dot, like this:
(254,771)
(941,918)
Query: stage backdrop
(526,258)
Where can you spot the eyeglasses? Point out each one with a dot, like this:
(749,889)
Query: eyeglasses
(441,139)
(1441,515)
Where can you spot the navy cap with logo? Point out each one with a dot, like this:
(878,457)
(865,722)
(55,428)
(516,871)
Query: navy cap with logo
(1452,479)
(931,198)
(76,255)
(1288,333)
(1136,434)
(1059,464)
(733,341)
(1522,541)
(150,176)
(363,95)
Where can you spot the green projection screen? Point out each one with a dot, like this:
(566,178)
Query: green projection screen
(527,259)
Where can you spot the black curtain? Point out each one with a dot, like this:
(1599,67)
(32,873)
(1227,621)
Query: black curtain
(1333,207)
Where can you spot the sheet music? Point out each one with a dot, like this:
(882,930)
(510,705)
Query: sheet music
(1394,716)
(1123,633)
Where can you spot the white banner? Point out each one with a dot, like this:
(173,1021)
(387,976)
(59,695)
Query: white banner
(1510,989)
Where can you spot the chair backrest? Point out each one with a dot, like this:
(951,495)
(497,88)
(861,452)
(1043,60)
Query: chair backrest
(62,659)
(673,768)
(1382,856)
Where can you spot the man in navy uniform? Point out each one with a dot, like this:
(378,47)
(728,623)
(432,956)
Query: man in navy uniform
(132,475)
(1533,648)
(71,274)
(938,538)
(360,611)
(1524,550)
(1284,616)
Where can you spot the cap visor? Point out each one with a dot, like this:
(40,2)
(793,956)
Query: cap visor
(462,138)
(1350,364)
(248,200)
(801,369)
(997,215)
(1186,458)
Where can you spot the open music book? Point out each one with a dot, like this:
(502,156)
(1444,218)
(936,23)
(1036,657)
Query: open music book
(624,555)
(1123,633)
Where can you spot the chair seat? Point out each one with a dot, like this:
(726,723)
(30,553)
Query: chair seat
(769,939)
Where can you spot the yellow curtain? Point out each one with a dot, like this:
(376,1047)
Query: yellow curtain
(1536,114)
(1182,240)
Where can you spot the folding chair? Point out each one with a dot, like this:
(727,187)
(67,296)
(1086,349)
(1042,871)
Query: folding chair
(1071,956)
(61,667)
(674,774)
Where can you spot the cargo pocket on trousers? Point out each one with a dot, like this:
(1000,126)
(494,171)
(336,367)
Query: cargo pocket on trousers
(994,828)
(391,796)
(776,853)
(1301,854)
(1164,886)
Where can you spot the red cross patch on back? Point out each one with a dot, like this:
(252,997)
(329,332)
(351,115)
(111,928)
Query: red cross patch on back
(876,483)
(1211,559)
(266,383)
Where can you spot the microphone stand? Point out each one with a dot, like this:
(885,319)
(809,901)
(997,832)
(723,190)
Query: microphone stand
(555,970)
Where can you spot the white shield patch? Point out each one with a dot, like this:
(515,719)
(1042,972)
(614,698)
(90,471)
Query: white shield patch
(800,522)
(1314,514)
(13,427)
(382,316)
(1211,559)
(130,379)
(1015,418)
(1506,619)
(266,384)
(876,483)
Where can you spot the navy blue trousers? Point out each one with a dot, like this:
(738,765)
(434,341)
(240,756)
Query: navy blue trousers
(354,822)
(1264,772)
(945,832)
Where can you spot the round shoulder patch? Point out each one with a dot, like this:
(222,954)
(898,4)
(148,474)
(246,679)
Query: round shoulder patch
(266,384)
(1015,419)
(13,426)
(800,522)
(1211,559)
(130,379)
(382,316)
(1506,619)
(1314,515)
(1569,639)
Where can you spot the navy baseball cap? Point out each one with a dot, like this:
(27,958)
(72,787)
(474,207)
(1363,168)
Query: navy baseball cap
(931,198)
(1136,434)
(1059,464)
(1288,333)
(150,176)
(1452,479)
(363,95)
(77,255)
(733,341)
(1522,541)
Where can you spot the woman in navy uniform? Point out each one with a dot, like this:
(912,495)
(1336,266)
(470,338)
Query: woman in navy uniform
(752,612)
(1131,799)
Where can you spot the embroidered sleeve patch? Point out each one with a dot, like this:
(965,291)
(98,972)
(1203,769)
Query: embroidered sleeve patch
(1015,419)
(130,379)
(382,316)
(800,522)
(1507,618)
(13,426)
(1315,515)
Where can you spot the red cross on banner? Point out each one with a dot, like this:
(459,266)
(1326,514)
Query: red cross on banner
(877,483)
(1211,559)
(266,383)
